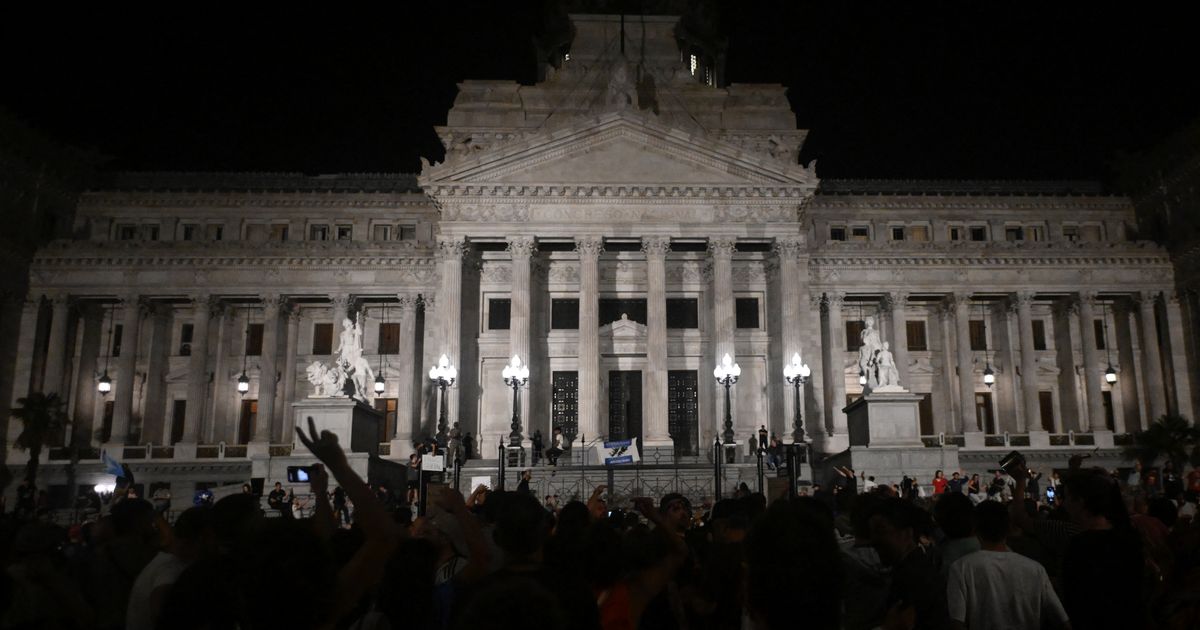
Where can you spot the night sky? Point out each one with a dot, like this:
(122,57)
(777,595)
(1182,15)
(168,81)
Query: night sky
(895,89)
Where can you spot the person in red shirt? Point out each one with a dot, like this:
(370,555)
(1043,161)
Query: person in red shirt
(939,483)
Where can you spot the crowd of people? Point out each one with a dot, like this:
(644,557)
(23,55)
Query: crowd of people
(1103,554)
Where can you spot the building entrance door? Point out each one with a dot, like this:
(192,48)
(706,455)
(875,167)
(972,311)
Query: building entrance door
(683,411)
(625,405)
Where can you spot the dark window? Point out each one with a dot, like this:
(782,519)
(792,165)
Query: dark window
(1098,327)
(387,428)
(178,413)
(915,331)
(254,340)
(389,338)
(837,233)
(897,234)
(151,232)
(683,313)
(1046,405)
(860,233)
(752,247)
(126,232)
(1014,234)
(683,411)
(622,246)
(978,334)
(854,330)
(189,232)
(564,314)
(406,233)
(1109,422)
(216,232)
(925,412)
(956,233)
(115,351)
(747,312)
(611,310)
(185,340)
(322,339)
(246,421)
(345,232)
(279,232)
(1039,334)
(564,413)
(978,233)
(689,246)
(983,412)
(318,232)
(499,313)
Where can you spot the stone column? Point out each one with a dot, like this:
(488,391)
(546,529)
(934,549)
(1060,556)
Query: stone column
(655,402)
(1152,360)
(896,303)
(407,420)
(836,366)
(285,430)
(589,249)
(267,372)
(1031,417)
(83,407)
(23,369)
(56,352)
(449,308)
(948,391)
(220,419)
(793,283)
(814,411)
(521,249)
(126,365)
(341,312)
(1179,366)
(1092,371)
(966,362)
(203,307)
(720,249)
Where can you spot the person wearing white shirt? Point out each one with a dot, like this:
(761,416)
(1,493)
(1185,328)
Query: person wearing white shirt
(995,588)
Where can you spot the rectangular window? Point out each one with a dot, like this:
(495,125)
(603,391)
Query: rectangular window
(246,421)
(978,233)
(499,313)
(1014,234)
(897,233)
(407,233)
(322,339)
(115,350)
(126,232)
(611,310)
(956,233)
(915,331)
(1035,233)
(860,233)
(389,338)
(279,232)
(1098,328)
(185,340)
(215,232)
(345,232)
(1046,407)
(254,340)
(683,410)
(918,233)
(1071,233)
(978,334)
(746,310)
(382,233)
(564,314)
(1109,421)
(387,428)
(854,330)
(683,313)
(837,233)
(318,232)
(189,232)
(1039,334)
(178,413)
(150,232)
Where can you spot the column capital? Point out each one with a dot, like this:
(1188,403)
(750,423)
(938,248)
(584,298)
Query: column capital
(1146,299)
(427,302)
(656,246)
(958,300)
(272,303)
(816,301)
(1087,298)
(896,300)
(788,247)
(407,302)
(721,247)
(1175,297)
(292,312)
(341,301)
(59,299)
(589,246)
(521,247)
(1022,299)
(452,248)
(834,300)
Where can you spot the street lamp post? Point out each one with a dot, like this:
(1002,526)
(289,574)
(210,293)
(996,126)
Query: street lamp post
(797,374)
(443,375)
(727,374)
(516,376)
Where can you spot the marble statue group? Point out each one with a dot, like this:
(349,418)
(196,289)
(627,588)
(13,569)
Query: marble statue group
(350,371)
(875,359)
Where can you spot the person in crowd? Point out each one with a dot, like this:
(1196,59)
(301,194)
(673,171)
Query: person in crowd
(537,445)
(341,507)
(939,483)
(1172,482)
(468,443)
(1033,488)
(793,564)
(454,441)
(192,538)
(973,489)
(774,453)
(161,497)
(247,489)
(523,485)
(956,485)
(916,580)
(955,515)
(996,588)
(277,500)
(866,582)
(556,447)
(763,435)
(868,482)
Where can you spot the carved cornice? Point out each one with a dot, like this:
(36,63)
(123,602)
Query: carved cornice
(250,199)
(486,212)
(841,203)
(589,247)
(464,194)
(686,272)
(496,273)
(1015,260)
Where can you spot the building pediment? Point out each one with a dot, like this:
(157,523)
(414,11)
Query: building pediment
(624,329)
(629,150)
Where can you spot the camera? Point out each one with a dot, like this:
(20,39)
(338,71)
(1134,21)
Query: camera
(1012,463)
(299,474)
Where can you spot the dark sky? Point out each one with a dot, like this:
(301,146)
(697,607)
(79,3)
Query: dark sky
(889,89)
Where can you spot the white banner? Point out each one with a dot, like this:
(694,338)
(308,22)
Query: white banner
(617,452)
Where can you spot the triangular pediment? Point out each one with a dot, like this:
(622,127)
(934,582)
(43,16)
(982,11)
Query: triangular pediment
(623,328)
(617,148)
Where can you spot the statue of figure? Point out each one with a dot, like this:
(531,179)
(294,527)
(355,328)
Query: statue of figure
(349,343)
(868,352)
(351,361)
(327,381)
(621,93)
(889,376)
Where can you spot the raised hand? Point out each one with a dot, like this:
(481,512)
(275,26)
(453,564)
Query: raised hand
(324,446)
(318,480)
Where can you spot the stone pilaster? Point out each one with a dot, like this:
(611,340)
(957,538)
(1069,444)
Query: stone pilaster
(1179,359)
(896,303)
(126,365)
(406,374)
(655,402)
(1152,357)
(521,249)
(451,252)
(720,250)
(284,431)
(966,363)
(1093,372)
(268,373)
(1031,417)
(56,351)
(588,249)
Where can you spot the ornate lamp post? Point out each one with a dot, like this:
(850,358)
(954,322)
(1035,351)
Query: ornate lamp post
(443,375)
(727,374)
(797,374)
(104,385)
(243,382)
(1110,375)
(516,376)
(380,384)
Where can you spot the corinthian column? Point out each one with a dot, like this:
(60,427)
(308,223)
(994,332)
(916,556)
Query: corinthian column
(407,423)
(204,307)
(896,303)
(267,374)
(284,430)
(1179,366)
(451,252)
(1091,365)
(1031,418)
(522,250)
(126,365)
(966,362)
(1152,360)
(588,248)
(836,364)
(56,353)
(656,248)
(793,283)
(720,249)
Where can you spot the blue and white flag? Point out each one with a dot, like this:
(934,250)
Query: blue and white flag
(111,465)
(618,452)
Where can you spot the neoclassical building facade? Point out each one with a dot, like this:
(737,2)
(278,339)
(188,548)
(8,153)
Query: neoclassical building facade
(620,225)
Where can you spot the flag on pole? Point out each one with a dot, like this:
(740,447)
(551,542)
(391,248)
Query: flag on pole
(111,465)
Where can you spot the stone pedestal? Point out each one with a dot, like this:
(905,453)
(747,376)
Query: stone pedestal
(1104,438)
(974,440)
(355,424)
(885,418)
(1039,439)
